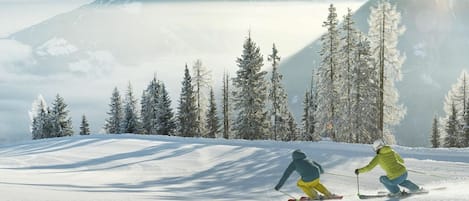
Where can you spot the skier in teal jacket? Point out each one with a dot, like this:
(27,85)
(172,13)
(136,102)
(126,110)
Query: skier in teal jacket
(309,171)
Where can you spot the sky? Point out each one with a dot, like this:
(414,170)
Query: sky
(143,168)
(185,32)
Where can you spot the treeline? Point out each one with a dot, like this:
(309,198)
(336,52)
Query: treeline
(453,131)
(352,97)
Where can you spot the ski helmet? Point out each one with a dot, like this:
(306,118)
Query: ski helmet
(378,144)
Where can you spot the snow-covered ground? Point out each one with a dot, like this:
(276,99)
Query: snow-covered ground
(135,167)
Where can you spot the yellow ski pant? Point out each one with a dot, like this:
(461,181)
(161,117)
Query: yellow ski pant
(311,187)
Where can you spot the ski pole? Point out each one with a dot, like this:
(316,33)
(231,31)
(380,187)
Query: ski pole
(358,186)
(418,172)
(341,175)
(286,194)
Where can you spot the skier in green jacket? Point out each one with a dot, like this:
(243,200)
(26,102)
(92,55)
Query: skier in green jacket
(309,172)
(392,163)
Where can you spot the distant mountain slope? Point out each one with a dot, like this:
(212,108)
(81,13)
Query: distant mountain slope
(435,43)
(143,168)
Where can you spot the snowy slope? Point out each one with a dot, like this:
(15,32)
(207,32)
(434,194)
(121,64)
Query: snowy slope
(133,167)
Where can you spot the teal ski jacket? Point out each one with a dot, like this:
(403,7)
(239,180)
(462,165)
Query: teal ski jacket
(308,170)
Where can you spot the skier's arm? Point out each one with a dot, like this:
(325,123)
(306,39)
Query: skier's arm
(370,166)
(285,176)
(319,166)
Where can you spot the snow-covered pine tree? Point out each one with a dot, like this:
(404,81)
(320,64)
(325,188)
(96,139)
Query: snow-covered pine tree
(466,126)
(131,120)
(201,79)
(166,124)
(213,125)
(452,133)
(278,100)
(187,109)
(84,126)
(458,95)
(348,47)
(149,104)
(364,95)
(60,119)
(435,139)
(250,95)
(40,127)
(309,112)
(292,129)
(384,31)
(116,114)
(328,75)
(226,107)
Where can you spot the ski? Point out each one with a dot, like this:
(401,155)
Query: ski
(404,194)
(304,198)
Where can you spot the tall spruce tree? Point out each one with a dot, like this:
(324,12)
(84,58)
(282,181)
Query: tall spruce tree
(347,65)
(40,127)
(201,80)
(459,96)
(213,125)
(278,99)
(131,120)
(309,112)
(60,119)
(149,104)
(84,126)
(364,94)
(187,109)
(435,139)
(250,94)
(466,126)
(116,114)
(452,135)
(328,75)
(384,31)
(166,124)
(226,107)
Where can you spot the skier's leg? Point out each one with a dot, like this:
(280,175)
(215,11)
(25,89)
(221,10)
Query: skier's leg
(391,185)
(308,188)
(322,189)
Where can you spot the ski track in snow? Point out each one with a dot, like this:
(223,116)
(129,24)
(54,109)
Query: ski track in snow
(136,167)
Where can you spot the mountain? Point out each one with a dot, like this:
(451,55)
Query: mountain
(435,42)
(142,167)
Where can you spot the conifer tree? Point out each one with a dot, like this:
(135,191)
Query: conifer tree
(166,124)
(459,96)
(364,94)
(347,65)
(131,120)
(435,133)
(201,80)
(187,109)
(466,126)
(60,120)
(85,126)
(309,112)
(116,115)
(250,94)
(385,28)
(213,124)
(149,104)
(40,127)
(279,113)
(451,139)
(226,107)
(328,75)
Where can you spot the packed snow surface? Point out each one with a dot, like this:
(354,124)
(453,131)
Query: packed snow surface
(136,167)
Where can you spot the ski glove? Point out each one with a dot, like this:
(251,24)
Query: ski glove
(356,171)
(277,188)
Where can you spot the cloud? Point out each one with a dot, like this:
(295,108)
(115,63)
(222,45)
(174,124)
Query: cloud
(14,53)
(56,47)
(97,63)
